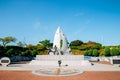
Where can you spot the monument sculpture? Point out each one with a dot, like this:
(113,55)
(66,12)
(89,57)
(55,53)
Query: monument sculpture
(60,44)
(60,51)
(60,60)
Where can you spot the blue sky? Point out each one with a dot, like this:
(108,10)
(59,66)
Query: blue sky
(35,20)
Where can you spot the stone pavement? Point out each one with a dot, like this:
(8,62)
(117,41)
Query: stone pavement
(95,67)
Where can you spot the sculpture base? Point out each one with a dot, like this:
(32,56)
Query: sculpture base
(67,60)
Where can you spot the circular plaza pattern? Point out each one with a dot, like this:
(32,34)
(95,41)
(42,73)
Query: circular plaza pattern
(58,71)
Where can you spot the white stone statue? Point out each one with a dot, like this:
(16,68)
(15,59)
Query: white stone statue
(57,48)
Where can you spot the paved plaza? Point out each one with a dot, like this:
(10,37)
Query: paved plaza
(95,67)
(95,72)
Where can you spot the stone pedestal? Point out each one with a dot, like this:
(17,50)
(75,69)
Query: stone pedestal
(52,60)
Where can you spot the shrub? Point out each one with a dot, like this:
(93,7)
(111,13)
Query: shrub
(90,52)
(86,53)
(20,58)
(27,53)
(34,53)
(10,52)
(114,52)
(106,51)
(95,53)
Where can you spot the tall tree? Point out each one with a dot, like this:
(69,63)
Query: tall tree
(7,40)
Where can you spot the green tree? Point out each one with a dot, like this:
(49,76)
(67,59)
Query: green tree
(10,52)
(76,43)
(86,53)
(30,46)
(45,43)
(114,52)
(90,52)
(7,40)
(106,51)
(40,47)
(27,53)
(21,44)
(91,45)
(95,53)
(34,53)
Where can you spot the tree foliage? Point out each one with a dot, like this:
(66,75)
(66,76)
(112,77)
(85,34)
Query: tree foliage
(76,43)
(10,52)
(34,53)
(86,53)
(21,44)
(95,53)
(91,45)
(7,40)
(114,52)
(107,51)
(27,53)
(91,52)
(40,47)
(45,43)
(78,47)
(30,46)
